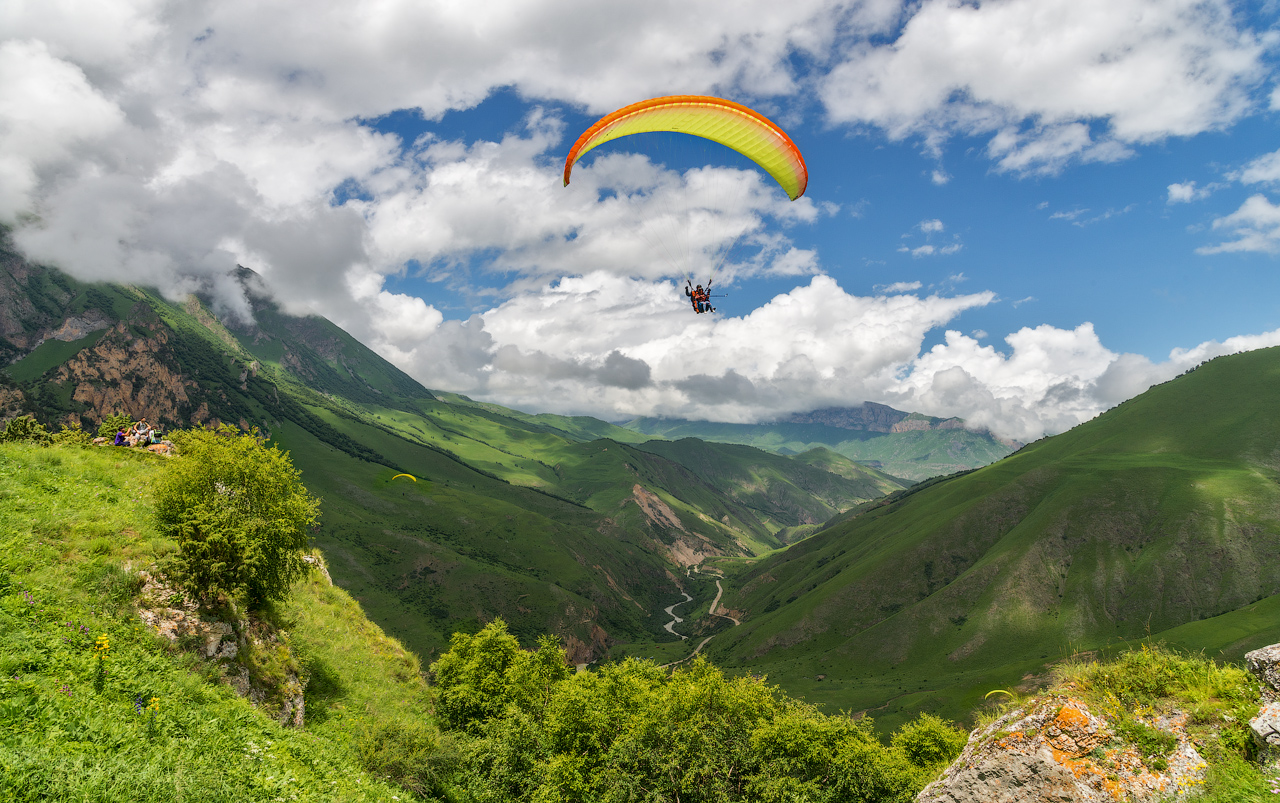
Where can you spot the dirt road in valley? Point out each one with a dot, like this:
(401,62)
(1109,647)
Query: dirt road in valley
(715,603)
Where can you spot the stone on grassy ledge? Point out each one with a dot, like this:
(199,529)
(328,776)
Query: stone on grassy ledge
(1265,666)
(1054,749)
(172,615)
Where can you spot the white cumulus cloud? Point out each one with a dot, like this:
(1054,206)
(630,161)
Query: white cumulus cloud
(1052,81)
(1255,226)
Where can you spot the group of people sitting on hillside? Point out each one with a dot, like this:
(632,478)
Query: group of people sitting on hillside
(140,434)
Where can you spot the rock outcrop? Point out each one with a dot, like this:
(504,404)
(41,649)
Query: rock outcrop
(1055,750)
(1265,666)
(230,645)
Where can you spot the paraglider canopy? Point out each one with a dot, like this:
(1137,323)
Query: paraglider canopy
(730,124)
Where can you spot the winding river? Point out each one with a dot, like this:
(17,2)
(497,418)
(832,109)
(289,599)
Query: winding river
(675,620)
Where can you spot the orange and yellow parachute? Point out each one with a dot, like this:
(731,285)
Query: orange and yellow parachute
(731,124)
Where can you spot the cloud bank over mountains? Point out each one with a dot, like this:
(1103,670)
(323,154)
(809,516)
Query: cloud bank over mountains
(165,142)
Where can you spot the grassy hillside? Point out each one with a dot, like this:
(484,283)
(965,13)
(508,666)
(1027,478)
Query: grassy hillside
(913,455)
(786,492)
(1161,515)
(153,721)
(75,528)
(518,515)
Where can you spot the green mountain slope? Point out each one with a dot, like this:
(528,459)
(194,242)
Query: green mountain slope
(786,492)
(530,517)
(913,454)
(1159,515)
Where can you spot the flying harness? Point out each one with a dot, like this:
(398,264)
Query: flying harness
(701,299)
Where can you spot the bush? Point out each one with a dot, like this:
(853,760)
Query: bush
(481,675)
(24,428)
(72,435)
(240,515)
(929,741)
(113,423)
(634,732)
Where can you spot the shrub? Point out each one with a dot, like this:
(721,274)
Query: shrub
(929,741)
(240,515)
(634,732)
(481,675)
(112,423)
(72,435)
(24,428)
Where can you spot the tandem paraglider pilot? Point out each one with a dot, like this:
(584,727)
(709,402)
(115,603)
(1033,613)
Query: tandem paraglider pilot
(701,299)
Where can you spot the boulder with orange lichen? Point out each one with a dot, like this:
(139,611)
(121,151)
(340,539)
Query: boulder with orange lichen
(1054,749)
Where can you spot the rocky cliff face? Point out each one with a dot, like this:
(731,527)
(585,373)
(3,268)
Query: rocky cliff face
(125,372)
(23,319)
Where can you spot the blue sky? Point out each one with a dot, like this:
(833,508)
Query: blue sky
(1019,212)
(1098,243)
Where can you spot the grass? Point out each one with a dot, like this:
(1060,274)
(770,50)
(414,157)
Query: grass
(148,721)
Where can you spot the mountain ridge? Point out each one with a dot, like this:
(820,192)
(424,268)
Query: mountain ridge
(1148,519)
(530,517)
(912,446)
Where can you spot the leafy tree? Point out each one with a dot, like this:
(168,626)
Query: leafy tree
(481,675)
(113,423)
(72,435)
(24,428)
(928,741)
(240,515)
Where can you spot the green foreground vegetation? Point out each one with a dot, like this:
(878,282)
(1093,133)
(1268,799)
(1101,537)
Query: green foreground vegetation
(95,706)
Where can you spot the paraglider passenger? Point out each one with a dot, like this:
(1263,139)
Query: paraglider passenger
(701,299)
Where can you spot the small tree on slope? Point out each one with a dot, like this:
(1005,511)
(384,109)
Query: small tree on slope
(240,515)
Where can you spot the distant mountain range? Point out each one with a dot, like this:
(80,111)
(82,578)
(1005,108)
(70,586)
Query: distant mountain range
(562,524)
(1160,518)
(908,445)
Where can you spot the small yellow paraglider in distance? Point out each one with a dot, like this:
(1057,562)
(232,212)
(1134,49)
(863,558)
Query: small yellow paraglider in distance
(398,476)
